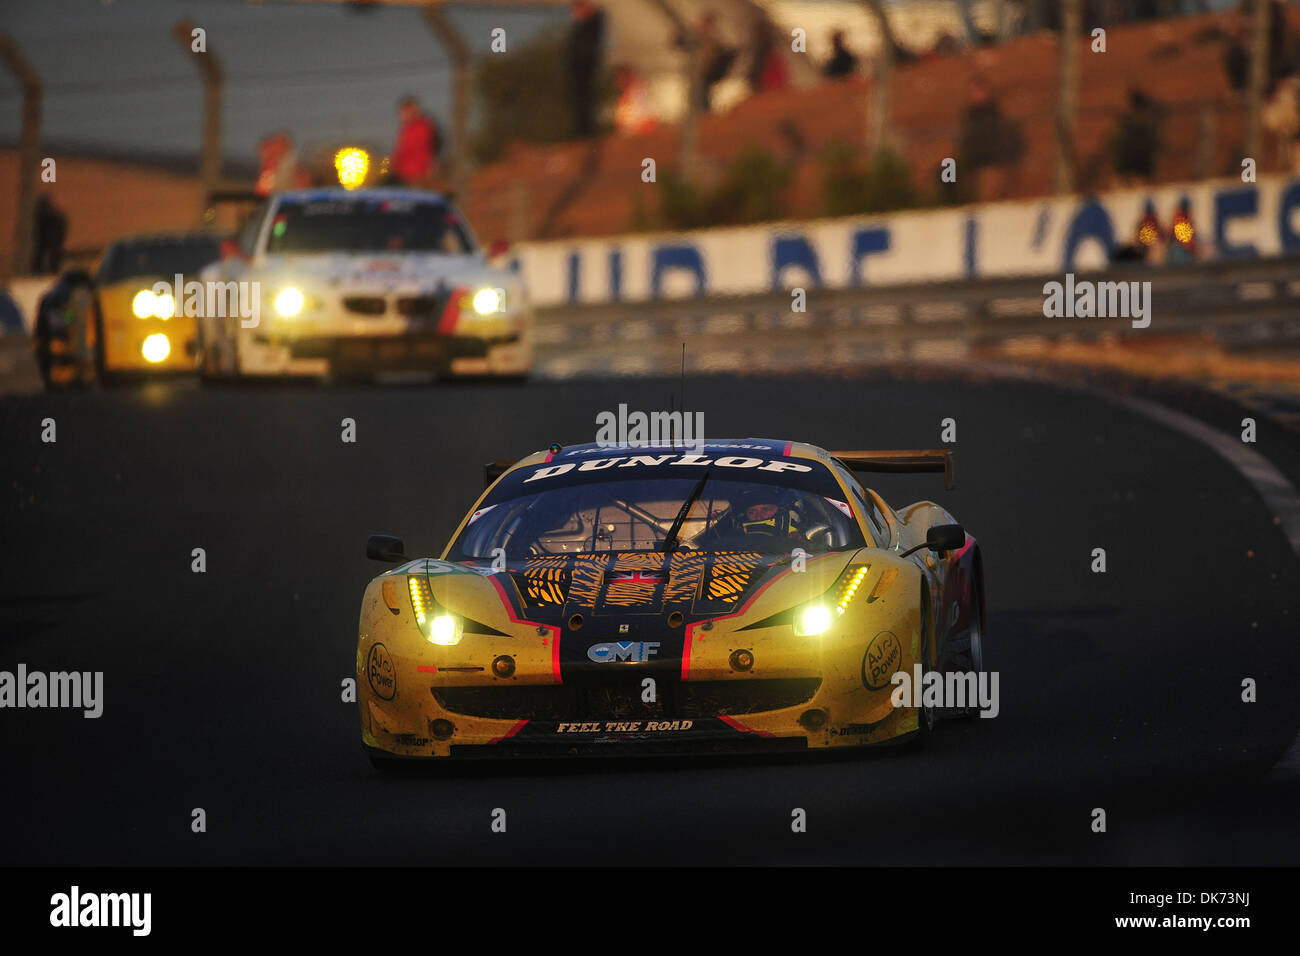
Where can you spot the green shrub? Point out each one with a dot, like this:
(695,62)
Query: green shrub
(751,189)
(851,186)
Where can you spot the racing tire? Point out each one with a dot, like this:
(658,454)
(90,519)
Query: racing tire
(976,641)
(103,375)
(927,718)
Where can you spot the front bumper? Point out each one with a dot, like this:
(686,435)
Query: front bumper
(451,713)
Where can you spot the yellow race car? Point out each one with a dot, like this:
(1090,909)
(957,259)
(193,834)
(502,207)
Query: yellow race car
(122,321)
(744,595)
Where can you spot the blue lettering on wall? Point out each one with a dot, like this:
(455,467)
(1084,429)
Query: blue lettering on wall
(866,242)
(1090,222)
(1234,204)
(972,238)
(575,266)
(678,256)
(794,250)
(615,275)
(1287,205)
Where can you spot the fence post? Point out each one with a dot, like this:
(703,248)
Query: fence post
(458,51)
(210,147)
(1068,96)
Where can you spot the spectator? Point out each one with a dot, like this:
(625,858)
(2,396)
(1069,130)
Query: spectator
(1281,117)
(767,70)
(1135,144)
(989,146)
(842,62)
(51,227)
(583,56)
(279,165)
(632,115)
(1236,57)
(415,155)
(712,60)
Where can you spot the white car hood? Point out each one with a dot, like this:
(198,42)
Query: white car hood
(382,273)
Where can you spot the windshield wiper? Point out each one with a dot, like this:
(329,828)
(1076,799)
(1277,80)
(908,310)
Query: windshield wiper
(670,541)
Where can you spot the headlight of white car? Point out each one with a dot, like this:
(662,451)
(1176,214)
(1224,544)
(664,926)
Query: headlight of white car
(489,301)
(289,302)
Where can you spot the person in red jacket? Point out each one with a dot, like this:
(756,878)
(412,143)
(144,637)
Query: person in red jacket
(415,155)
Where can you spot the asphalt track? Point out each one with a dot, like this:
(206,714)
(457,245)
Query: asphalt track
(222,690)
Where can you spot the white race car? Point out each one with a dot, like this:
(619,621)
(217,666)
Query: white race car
(335,282)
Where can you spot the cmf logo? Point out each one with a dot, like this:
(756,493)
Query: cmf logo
(637,652)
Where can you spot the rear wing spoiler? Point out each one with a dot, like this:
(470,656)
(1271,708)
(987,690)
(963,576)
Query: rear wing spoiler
(904,461)
(493,470)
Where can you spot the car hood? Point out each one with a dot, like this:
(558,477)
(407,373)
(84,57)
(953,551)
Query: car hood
(382,272)
(552,589)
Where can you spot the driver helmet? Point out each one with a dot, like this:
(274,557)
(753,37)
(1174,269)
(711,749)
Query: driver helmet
(764,511)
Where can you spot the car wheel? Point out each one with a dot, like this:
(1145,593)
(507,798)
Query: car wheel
(976,631)
(44,358)
(103,374)
(927,717)
(209,370)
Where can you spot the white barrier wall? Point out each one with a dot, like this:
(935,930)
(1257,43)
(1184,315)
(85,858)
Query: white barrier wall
(1233,220)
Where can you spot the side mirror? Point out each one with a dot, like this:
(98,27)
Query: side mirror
(499,247)
(385,547)
(945,537)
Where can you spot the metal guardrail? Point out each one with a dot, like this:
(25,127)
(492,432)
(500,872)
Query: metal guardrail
(1244,304)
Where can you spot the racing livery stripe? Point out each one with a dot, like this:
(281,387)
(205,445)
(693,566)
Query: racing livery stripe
(788,447)
(426,668)
(734,724)
(513,730)
(450,313)
(553,632)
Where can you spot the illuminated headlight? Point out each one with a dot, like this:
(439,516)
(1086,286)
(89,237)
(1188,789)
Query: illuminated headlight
(444,629)
(147,305)
(813,620)
(155,348)
(435,624)
(142,304)
(289,302)
(488,301)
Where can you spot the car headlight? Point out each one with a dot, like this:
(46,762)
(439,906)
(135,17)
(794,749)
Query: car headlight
(435,624)
(488,301)
(142,304)
(289,302)
(812,620)
(147,305)
(444,629)
(155,347)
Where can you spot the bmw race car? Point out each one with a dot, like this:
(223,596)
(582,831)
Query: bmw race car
(361,282)
(121,321)
(750,594)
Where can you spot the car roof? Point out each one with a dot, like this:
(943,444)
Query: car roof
(714,446)
(374,192)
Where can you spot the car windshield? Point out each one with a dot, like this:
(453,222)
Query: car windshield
(367,224)
(129,260)
(537,511)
